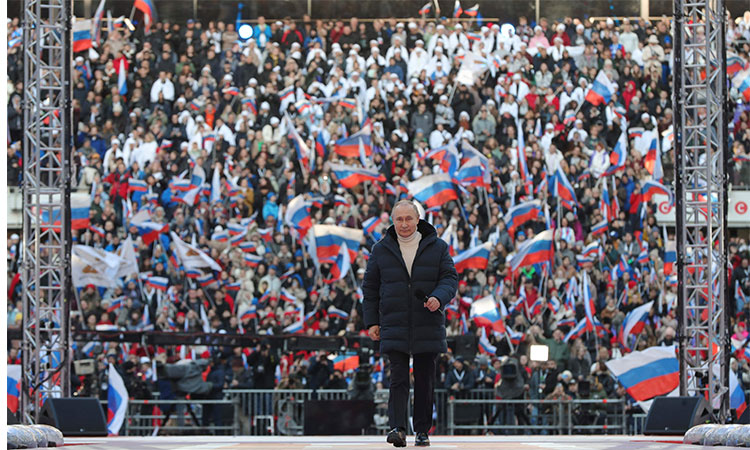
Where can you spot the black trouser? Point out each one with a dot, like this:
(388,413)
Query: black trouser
(424,386)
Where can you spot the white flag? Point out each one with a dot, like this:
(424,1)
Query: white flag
(129,264)
(85,273)
(192,257)
(107,262)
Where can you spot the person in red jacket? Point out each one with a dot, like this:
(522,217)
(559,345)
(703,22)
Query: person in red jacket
(291,35)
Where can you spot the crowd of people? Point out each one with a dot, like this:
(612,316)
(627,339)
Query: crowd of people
(263,121)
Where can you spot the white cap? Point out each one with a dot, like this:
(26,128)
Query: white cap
(610,21)
(463,114)
(252,81)
(459,26)
(352,52)
(355,74)
(516,76)
(79,58)
(440,27)
(400,24)
(483,29)
(580,27)
(183,145)
(443,97)
(114,140)
(278,22)
(14,235)
(145,360)
(645,116)
(419,42)
(579,122)
(412,25)
(181,100)
(399,103)
(275,120)
(491,102)
(296,55)
(265,105)
(561,27)
(537,28)
(228,77)
(549,126)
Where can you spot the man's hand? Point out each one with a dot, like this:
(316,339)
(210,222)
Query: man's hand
(432,304)
(374,332)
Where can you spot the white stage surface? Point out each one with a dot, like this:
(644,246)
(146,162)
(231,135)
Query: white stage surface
(377,442)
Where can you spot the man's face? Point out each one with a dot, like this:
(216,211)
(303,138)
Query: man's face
(405,219)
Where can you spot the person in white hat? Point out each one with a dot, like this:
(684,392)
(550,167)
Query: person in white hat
(398,44)
(418,59)
(653,56)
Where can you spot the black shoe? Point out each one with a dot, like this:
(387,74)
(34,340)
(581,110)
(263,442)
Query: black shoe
(397,437)
(422,440)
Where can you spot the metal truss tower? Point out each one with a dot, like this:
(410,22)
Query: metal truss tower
(45,268)
(700,94)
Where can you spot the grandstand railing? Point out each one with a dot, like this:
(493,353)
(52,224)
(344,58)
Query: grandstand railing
(195,416)
(271,412)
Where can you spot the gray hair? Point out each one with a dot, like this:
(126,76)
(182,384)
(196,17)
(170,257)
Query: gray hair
(405,202)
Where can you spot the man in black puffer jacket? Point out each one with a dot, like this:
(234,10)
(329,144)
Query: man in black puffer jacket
(410,277)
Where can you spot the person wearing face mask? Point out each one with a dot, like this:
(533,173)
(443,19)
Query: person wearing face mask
(410,278)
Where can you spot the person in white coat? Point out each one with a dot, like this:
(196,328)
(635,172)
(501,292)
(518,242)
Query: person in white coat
(397,44)
(146,153)
(518,88)
(162,86)
(115,151)
(375,57)
(418,59)
(599,162)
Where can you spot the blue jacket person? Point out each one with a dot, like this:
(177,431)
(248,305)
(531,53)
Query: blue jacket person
(409,280)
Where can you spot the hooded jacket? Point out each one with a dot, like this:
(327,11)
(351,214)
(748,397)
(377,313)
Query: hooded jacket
(395,301)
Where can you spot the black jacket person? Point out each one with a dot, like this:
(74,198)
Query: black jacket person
(410,277)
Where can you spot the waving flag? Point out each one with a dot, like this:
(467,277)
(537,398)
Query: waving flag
(485,346)
(80,204)
(484,313)
(457,11)
(618,156)
(117,401)
(14,387)
(297,215)
(98,16)
(349,147)
(520,214)
(649,188)
(577,331)
(652,161)
(600,228)
(736,394)
(340,265)
(304,154)
(670,257)
(601,90)
(335,312)
(634,322)
(741,81)
(537,250)
(473,258)
(473,11)
(82,35)
(448,157)
(327,240)
(192,257)
(647,374)
(563,190)
(150,231)
(369,226)
(425,9)
(350,176)
(159,283)
(472,173)
(433,190)
(148,10)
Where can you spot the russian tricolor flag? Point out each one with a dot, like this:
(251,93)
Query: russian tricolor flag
(576,331)
(474,258)
(148,10)
(562,189)
(220,236)
(473,173)
(328,240)
(193,273)
(600,228)
(80,205)
(253,260)
(248,247)
(649,188)
(335,312)
(349,147)
(537,250)
(135,185)
(457,10)
(98,230)
(369,225)
(670,257)
(485,313)
(250,105)
(115,304)
(647,374)
(150,231)
(82,35)
(117,401)
(473,11)
(601,90)
(287,296)
(250,313)
(350,176)
(618,156)
(520,214)
(448,157)
(206,280)
(634,322)
(485,346)
(294,328)
(14,387)
(433,190)
(425,9)
(159,283)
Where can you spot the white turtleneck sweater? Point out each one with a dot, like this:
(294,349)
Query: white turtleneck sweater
(409,246)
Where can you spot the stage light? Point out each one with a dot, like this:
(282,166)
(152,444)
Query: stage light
(506,29)
(245,31)
(539,353)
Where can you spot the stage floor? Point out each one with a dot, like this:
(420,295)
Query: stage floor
(377,442)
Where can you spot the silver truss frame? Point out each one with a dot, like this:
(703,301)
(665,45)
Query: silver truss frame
(45,267)
(701,200)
